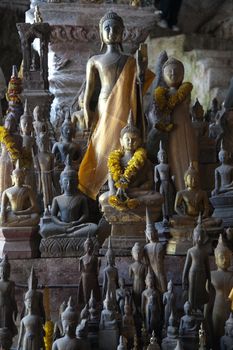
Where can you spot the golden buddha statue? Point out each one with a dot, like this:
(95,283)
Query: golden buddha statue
(130,173)
(192,201)
(109,96)
(20,198)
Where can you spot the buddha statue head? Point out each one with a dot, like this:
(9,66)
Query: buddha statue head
(191,177)
(69,319)
(111,29)
(173,72)
(229,326)
(151,232)
(121,345)
(68,178)
(110,253)
(170,286)
(26,121)
(199,233)
(187,308)
(150,279)
(130,136)
(137,252)
(223,155)
(5,268)
(18,175)
(121,282)
(67,128)
(30,301)
(88,245)
(222,255)
(197,111)
(162,154)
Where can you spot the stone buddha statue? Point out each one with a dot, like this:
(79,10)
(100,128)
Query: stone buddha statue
(153,343)
(154,253)
(69,211)
(69,323)
(130,173)
(108,316)
(8,306)
(223,175)
(77,117)
(227,340)
(31,335)
(169,303)
(192,201)
(39,124)
(172,331)
(128,325)
(58,330)
(219,306)
(137,271)
(188,323)
(121,294)
(19,207)
(196,274)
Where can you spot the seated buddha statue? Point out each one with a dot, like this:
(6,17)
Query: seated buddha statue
(19,207)
(130,173)
(188,323)
(69,211)
(192,201)
(223,175)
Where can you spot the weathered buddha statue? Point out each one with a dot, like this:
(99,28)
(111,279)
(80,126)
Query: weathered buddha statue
(169,302)
(121,294)
(169,342)
(11,145)
(108,317)
(77,117)
(58,331)
(219,306)
(66,146)
(69,323)
(196,274)
(137,271)
(110,94)
(198,119)
(227,340)
(88,266)
(223,175)
(128,325)
(192,201)
(39,124)
(154,253)
(130,173)
(110,275)
(8,306)
(19,207)
(188,323)
(69,211)
(153,343)
(164,184)
(31,335)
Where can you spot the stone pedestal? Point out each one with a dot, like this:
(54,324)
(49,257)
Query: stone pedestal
(64,246)
(108,339)
(169,343)
(127,227)
(19,242)
(223,209)
(189,343)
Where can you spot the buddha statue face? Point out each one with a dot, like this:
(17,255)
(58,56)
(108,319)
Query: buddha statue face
(191,181)
(149,282)
(112,32)
(223,156)
(67,131)
(162,157)
(18,177)
(173,73)
(68,184)
(10,123)
(130,142)
(26,126)
(121,282)
(69,327)
(187,308)
(88,246)
(223,260)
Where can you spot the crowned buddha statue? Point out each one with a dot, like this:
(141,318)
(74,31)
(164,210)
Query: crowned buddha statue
(219,306)
(69,212)
(19,207)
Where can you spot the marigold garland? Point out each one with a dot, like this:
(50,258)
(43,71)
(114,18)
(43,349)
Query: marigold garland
(166,103)
(122,177)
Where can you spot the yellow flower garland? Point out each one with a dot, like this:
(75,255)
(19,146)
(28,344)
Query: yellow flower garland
(122,178)
(12,149)
(167,103)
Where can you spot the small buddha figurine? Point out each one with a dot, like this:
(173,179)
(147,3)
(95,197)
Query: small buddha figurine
(45,165)
(197,112)
(19,207)
(219,306)
(93,312)
(88,266)
(69,323)
(172,331)
(154,254)
(121,294)
(130,173)
(169,302)
(78,118)
(137,271)
(39,124)
(122,345)
(58,331)
(153,343)
(164,184)
(108,318)
(202,338)
(223,175)
(128,325)
(227,340)
(214,108)
(31,328)
(196,274)
(151,307)
(8,306)
(188,323)
(191,201)
(69,211)
(67,146)
(110,274)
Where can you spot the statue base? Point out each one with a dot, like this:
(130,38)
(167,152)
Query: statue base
(127,227)
(64,247)
(169,343)
(108,339)
(189,343)
(20,242)
(223,209)
(182,239)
